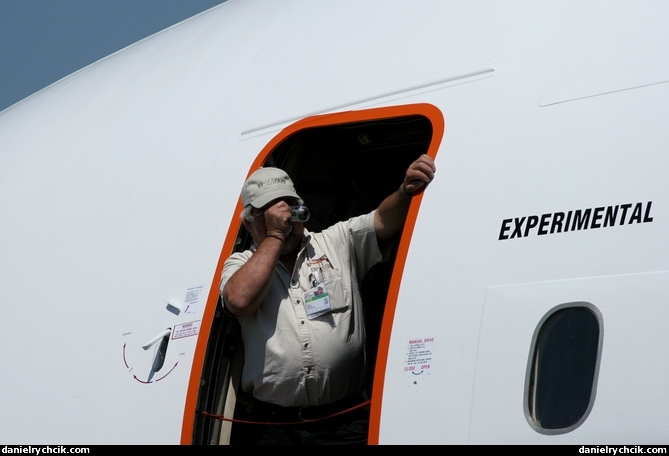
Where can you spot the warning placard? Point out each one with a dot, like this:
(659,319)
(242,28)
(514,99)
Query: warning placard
(192,300)
(186,330)
(419,356)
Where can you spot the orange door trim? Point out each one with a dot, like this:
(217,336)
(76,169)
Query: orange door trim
(437,120)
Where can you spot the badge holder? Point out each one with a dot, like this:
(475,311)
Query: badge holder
(317,299)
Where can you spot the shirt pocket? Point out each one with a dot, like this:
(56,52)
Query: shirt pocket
(334,282)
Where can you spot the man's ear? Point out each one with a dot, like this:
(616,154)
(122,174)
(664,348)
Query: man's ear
(247,225)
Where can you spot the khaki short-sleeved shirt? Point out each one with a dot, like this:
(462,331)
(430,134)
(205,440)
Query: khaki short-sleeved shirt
(291,360)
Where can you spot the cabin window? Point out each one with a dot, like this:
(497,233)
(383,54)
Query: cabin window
(563,367)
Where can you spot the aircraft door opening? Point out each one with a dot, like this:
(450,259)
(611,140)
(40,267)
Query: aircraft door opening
(342,166)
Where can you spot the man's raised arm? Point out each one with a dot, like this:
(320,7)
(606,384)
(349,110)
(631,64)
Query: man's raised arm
(391,213)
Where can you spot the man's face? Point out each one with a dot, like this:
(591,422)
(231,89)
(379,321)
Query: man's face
(267,215)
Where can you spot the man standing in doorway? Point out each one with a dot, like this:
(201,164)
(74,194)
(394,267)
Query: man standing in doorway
(304,348)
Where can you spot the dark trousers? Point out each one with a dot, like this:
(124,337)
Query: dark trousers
(274,425)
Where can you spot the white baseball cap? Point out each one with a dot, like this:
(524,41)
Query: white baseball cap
(266,185)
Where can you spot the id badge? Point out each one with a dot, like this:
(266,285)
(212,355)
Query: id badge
(317,301)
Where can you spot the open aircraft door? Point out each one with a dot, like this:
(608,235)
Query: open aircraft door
(342,165)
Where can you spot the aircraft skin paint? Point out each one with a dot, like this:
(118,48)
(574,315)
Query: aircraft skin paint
(119,188)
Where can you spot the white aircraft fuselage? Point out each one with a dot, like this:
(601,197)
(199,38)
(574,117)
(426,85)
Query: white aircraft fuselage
(531,274)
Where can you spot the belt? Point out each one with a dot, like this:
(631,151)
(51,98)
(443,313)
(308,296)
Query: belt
(264,411)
